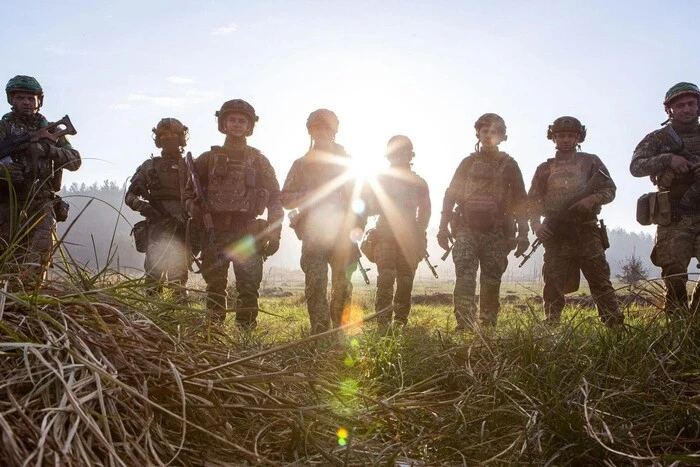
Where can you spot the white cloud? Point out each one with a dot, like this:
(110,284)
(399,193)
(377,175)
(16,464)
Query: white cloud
(59,49)
(180,80)
(121,107)
(225,30)
(191,96)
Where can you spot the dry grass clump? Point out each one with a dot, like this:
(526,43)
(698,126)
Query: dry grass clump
(88,380)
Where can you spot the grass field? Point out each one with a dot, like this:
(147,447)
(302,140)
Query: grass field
(97,372)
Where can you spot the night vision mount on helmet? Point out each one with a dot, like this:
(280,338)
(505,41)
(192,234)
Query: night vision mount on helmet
(567,123)
(240,106)
(25,84)
(324,117)
(174,125)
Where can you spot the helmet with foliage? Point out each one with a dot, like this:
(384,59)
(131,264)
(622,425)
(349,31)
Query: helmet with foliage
(681,89)
(567,123)
(174,125)
(399,145)
(489,119)
(323,117)
(24,84)
(240,106)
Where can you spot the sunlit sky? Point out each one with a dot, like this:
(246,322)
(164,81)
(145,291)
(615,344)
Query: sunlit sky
(424,69)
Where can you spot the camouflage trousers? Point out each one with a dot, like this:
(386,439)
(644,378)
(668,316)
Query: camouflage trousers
(30,241)
(473,249)
(167,258)
(563,263)
(674,247)
(315,260)
(393,267)
(239,248)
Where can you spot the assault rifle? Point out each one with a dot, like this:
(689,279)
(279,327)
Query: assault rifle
(12,144)
(362,269)
(201,197)
(692,194)
(426,258)
(556,222)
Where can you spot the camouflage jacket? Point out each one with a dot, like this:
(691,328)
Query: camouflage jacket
(48,167)
(499,178)
(265,178)
(561,178)
(160,181)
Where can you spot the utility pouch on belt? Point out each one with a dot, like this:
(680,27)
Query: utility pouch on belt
(368,246)
(262,196)
(140,234)
(480,214)
(60,209)
(654,208)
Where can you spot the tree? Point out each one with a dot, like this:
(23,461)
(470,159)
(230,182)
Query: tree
(633,271)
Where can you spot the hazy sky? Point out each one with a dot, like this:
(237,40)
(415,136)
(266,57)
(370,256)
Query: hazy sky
(424,69)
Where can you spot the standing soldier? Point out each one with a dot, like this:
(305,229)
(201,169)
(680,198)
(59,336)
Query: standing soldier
(239,184)
(569,190)
(402,201)
(319,189)
(30,176)
(670,157)
(156,193)
(490,195)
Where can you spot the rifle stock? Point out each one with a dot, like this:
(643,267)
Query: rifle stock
(200,197)
(63,126)
(426,258)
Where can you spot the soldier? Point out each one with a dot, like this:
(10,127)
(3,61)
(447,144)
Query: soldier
(402,201)
(320,189)
(489,192)
(670,157)
(29,179)
(156,193)
(240,184)
(569,190)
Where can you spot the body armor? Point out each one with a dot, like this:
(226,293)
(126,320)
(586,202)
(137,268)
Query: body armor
(232,182)
(164,178)
(564,180)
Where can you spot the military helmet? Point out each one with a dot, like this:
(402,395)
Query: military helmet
(681,89)
(490,119)
(25,84)
(240,106)
(174,125)
(323,116)
(398,144)
(567,123)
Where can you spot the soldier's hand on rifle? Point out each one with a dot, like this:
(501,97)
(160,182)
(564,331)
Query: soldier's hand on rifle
(680,165)
(585,205)
(522,245)
(146,210)
(443,239)
(542,232)
(14,174)
(273,245)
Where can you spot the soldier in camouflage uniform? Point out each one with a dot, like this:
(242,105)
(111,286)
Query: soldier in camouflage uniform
(489,192)
(155,192)
(577,245)
(402,201)
(320,189)
(239,183)
(29,180)
(659,155)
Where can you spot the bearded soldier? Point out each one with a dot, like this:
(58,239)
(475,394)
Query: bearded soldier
(569,190)
(239,183)
(30,176)
(156,193)
(671,157)
(402,201)
(489,192)
(319,189)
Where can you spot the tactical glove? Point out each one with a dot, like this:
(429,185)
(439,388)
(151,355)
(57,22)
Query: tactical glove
(522,245)
(272,246)
(146,210)
(443,239)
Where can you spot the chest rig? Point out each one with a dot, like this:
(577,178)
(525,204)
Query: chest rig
(164,177)
(233,181)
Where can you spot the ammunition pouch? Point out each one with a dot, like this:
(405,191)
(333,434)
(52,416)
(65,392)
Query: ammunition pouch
(60,209)
(480,214)
(140,234)
(262,196)
(368,246)
(654,208)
